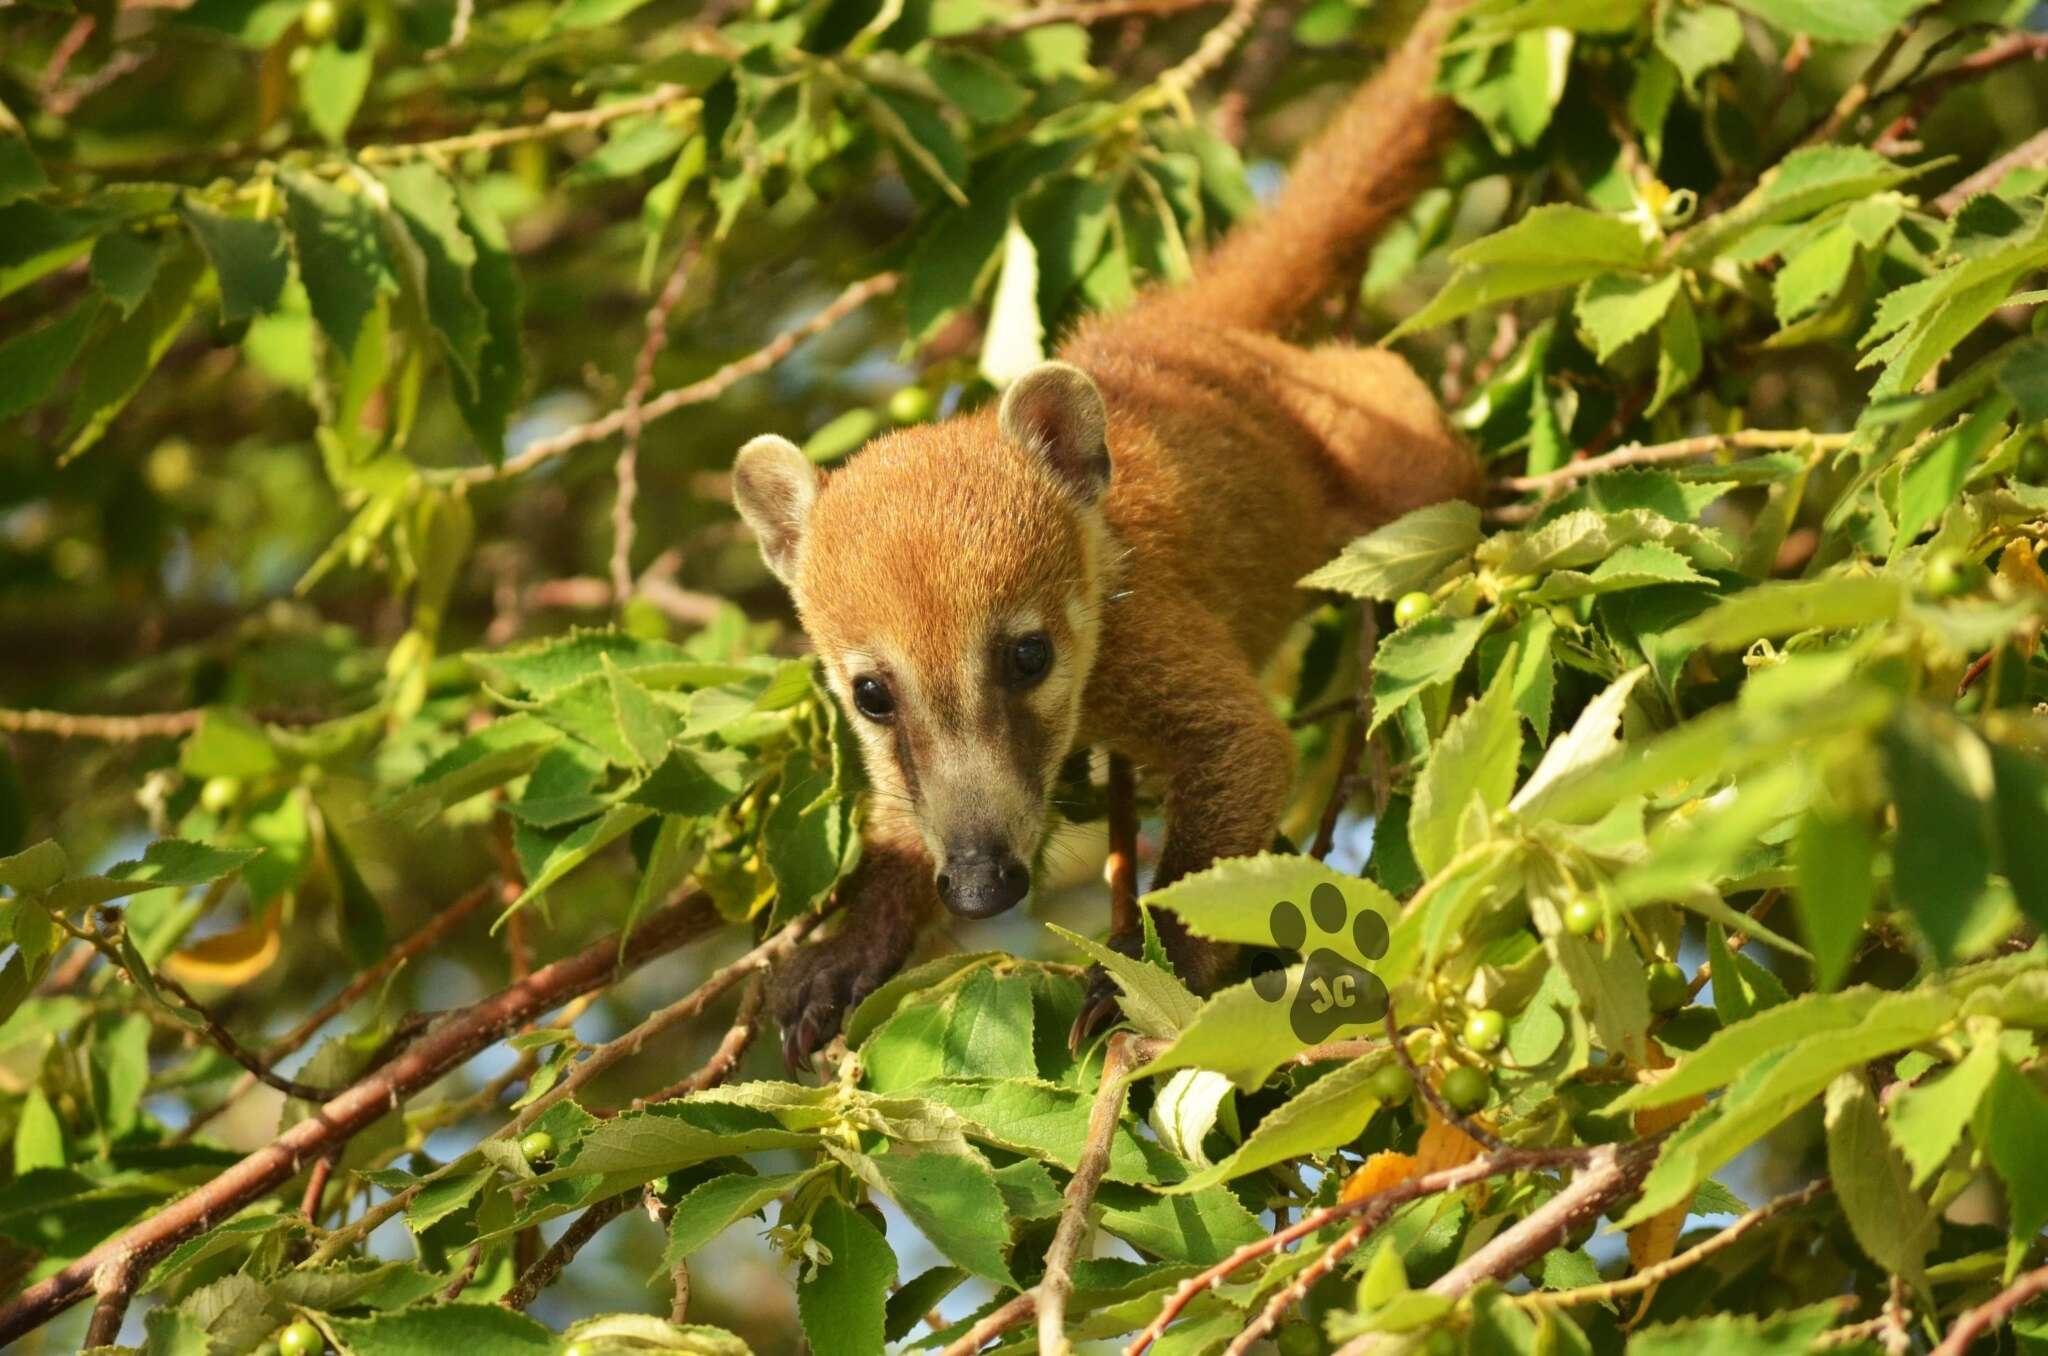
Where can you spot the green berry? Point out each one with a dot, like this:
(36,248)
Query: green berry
(538,1148)
(1949,573)
(911,405)
(1582,917)
(219,794)
(1669,989)
(1412,608)
(301,1338)
(1465,1088)
(1391,1084)
(319,20)
(1484,1029)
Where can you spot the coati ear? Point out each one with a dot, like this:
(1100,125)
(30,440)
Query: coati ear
(1056,411)
(774,485)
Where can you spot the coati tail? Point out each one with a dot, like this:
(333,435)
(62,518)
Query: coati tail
(1356,175)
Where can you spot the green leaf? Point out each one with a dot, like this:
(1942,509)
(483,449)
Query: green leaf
(1833,857)
(21,176)
(227,743)
(120,360)
(1405,555)
(34,869)
(2023,376)
(1940,777)
(425,201)
(805,837)
(1834,20)
(843,1303)
(2009,1121)
(1697,38)
(1933,479)
(436,1329)
(710,1208)
(1814,274)
(981,1027)
(168,862)
(1201,1227)
(248,256)
(38,1135)
(1155,1000)
(444,1196)
(576,849)
(1475,759)
(332,86)
(1553,246)
(919,1296)
(1419,656)
(1781,608)
(953,1200)
(1779,1334)
(645,1144)
(1046,1122)
(1615,309)
(1331,1112)
(574,14)
(341,255)
(123,267)
(1890,1221)
(1928,1118)
(1609,981)
(2020,810)
(35,359)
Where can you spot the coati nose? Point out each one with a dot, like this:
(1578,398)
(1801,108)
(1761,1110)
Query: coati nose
(982,883)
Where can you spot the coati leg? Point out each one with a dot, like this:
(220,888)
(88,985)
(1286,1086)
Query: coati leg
(885,903)
(1192,708)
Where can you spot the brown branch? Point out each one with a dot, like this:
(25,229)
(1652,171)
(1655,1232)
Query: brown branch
(368,1100)
(627,469)
(1992,1313)
(1057,1281)
(1684,449)
(1415,1188)
(542,1273)
(697,392)
(595,1062)
(746,1024)
(437,927)
(114,1283)
(1652,1276)
(2029,154)
(1297,1289)
(115,729)
(1610,1172)
(1923,93)
(994,1323)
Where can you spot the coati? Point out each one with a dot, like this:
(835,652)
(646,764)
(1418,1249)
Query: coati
(1107,557)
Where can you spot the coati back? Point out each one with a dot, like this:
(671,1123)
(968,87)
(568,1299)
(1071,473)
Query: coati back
(1107,557)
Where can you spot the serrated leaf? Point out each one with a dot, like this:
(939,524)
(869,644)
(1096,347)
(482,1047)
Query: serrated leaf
(1405,555)
(1927,1119)
(710,1208)
(436,1329)
(843,1303)
(1420,656)
(248,257)
(1616,309)
(954,1201)
(1155,1000)
(1476,757)
(1888,1218)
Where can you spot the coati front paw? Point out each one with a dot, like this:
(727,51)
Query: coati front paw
(819,985)
(1099,996)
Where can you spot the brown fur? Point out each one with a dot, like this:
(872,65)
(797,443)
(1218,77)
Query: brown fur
(1236,463)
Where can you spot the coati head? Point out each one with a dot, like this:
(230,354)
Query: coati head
(950,576)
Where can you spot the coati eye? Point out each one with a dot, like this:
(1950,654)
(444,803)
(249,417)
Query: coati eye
(873,699)
(1028,659)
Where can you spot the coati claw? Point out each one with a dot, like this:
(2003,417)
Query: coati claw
(1099,1010)
(817,988)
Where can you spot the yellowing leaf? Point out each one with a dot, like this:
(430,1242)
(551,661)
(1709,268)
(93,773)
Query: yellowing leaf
(1384,1169)
(1656,1238)
(233,957)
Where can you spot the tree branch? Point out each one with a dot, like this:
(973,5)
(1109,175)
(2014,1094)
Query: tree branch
(367,1101)
(2029,154)
(1994,1312)
(627,470)
(1684,449)
(1058,1280)
(697,392)
(542,1273)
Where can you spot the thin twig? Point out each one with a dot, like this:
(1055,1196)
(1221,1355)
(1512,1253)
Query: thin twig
(367,1101)
(1297,1289)
(595,1062)
(1610,1172)
(1992,1313)
(1092,12)
(2029,154)
(114,1283)
(437,927)
(1415,1188)
(996,1322)
(542,1273)
(1684,449)
(627,469)
(1215,45)
(114,729)
(697,392)
(559,123)
(746,1024)
(1652,1276)
(1058,1278)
